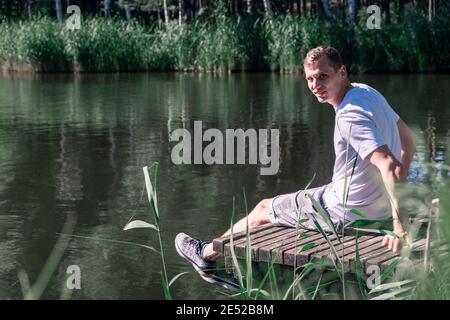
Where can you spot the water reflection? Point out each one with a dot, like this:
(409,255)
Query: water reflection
(76,144)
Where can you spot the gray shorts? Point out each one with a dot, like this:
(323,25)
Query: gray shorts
(288,209)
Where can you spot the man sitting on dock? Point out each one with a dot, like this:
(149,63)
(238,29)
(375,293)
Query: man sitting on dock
(373,147)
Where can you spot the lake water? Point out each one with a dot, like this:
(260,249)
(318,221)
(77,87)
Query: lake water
(74,146)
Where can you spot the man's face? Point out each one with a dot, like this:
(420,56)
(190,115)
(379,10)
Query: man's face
(324,81)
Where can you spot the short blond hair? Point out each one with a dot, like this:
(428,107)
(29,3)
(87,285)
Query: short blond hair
(334,57)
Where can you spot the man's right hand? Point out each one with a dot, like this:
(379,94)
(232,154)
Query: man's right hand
(394,243)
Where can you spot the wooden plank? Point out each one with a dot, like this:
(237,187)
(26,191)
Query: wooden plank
(351,258)
(391,255)
(265,253)
(380,251)
(290,256)
(256,237)
(378,260)
(277,254)
(386,259)
(349,252)
(281,245)
(259,247)
(286,253)
(267,239)
(341,250)
(305,256)
(241,244)
(219,243)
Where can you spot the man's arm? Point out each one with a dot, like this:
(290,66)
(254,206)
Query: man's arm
(391,170)
(408,147)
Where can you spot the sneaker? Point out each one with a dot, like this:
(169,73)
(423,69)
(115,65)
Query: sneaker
(191,250)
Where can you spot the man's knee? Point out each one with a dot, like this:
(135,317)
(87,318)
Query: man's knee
(261,214)
(264,204)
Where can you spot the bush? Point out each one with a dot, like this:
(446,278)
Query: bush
(40,44)
(107,45)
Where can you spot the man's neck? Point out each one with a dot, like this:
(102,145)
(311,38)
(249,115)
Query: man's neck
(346,88)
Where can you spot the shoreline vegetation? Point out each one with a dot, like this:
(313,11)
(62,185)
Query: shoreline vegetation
(223,42)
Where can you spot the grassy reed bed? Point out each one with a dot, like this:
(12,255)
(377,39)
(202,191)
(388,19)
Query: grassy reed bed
(223,43)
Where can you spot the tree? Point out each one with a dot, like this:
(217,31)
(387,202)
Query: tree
(180,12)
(431,9)
(268,8)
(108,4)
(327,8)
(30,9)
(58,8)
(249,6)
(352,10)
(166,12)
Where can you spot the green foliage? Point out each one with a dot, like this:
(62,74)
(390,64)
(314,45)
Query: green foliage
(41,44)
(107,45)
(221,45)
(412,45)
(170,48)
(220,41)
(441,33)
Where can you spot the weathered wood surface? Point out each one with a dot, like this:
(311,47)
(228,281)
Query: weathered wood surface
(288,246)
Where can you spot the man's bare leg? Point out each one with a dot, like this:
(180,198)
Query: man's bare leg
(257,217)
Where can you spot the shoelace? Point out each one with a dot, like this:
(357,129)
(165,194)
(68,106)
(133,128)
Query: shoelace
(196,245)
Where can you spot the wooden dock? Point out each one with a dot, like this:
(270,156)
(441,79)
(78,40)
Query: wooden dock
(289,247)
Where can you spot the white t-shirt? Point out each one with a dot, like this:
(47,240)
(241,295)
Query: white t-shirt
(367,121)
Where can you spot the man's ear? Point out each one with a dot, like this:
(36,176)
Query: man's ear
(343,71)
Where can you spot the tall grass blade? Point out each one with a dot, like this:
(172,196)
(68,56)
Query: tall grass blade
(389,270)
(393,285)
(317,287)
(233,252)
(248,252)
(136,224)
(41,283)
(152,198)
(264,279)
(25,284)
(308,268)
(166,289)
(359,274)
(175,278)
(325,216)
(393,294)
(273,278)
(113,241)
(357,213)
(333,250)
(307,247)
(151,195)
